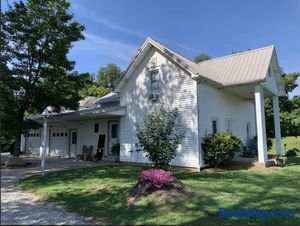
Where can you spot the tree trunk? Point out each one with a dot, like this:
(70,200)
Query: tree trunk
(17,148)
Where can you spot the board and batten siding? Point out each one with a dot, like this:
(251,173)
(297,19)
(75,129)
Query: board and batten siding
(176,89)
(216,104)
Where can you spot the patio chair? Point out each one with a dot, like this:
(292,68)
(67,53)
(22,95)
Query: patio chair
(81,156)
(87,155)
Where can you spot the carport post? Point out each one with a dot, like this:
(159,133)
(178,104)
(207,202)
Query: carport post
(45,115)
(44,147)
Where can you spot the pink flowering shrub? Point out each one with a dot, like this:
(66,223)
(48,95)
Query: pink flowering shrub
(157,177)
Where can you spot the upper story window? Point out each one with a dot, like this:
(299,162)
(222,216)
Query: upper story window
(154,76)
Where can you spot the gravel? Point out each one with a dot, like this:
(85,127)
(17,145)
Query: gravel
(19,207)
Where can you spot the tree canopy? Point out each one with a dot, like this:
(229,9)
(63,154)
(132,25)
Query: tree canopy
(202,57)
(106,80)
(36,37)
(289,109)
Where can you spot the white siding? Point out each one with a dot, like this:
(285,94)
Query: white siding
(220,105)
(59,145)
(177,89)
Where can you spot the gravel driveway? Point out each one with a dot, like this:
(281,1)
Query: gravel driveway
(19,207)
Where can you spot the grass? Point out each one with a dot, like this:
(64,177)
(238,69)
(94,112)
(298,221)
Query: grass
(102,193)
(291,142)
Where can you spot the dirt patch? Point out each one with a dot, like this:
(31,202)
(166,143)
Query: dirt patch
(160,195)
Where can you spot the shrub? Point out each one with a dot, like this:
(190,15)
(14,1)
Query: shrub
(219,149)
(157,177)
(248,152)
(159,136)
(292,152)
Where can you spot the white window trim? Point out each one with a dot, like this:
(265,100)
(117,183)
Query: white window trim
(230,121)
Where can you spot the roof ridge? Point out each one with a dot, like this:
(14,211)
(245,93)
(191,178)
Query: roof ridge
(152,39)
(239,53)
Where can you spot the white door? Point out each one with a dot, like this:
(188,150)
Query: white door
(73,143)
(112,135)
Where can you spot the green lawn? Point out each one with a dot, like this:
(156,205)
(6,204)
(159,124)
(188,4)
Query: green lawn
(102,193)
(291,142)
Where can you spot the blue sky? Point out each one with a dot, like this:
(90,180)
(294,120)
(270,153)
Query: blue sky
(116,28)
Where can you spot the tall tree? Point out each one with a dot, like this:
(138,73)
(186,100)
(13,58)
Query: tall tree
(107,79)
(289,109)
(36,37)
(109,76)
(202,57)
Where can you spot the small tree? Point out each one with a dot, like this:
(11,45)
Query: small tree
(159,136)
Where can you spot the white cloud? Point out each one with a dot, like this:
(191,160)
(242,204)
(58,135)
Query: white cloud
(98,45)
(90,15)
(188,48)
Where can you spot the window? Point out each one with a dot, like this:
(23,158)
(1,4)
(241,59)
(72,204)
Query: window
(96,128)
(154,81)
(57,134)
(66,134)
(61,134)
(53,134)
(114,129)
(228,124)
(74,138)
(214,126)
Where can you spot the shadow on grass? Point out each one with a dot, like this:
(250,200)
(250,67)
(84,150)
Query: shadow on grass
(102,193)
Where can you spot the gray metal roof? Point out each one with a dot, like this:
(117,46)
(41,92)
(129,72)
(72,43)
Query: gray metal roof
(87,112)
(240,68)
(87,102)
(109,98)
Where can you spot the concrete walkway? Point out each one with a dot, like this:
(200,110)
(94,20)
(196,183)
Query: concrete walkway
(19,207)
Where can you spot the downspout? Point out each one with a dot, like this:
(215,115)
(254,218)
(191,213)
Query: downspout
(200,159)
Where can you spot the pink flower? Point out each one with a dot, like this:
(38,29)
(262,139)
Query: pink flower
(157,177)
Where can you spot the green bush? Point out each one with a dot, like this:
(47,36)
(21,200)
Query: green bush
(292,152)
(159,136)
(219,149)
(248,152)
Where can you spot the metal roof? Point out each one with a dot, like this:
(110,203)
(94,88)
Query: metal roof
(239,68)
(108,98)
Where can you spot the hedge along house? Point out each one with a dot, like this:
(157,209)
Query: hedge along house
(224,94)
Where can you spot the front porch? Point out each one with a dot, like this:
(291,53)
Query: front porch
(258,93)
(68,134)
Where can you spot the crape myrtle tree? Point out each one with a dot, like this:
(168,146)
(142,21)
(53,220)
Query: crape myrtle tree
(36,37)
(159,135)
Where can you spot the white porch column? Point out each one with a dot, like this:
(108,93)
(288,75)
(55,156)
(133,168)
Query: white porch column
(261,124)
(277,124)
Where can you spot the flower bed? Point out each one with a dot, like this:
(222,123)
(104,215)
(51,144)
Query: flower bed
(153,180)
(157,177)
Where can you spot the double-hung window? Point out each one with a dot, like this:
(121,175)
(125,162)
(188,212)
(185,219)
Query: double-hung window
(154,82)
(214,126)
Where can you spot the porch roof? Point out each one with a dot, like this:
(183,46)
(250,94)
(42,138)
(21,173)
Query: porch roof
(84,114)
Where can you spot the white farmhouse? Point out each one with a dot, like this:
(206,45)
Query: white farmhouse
(217,95)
